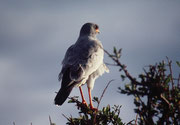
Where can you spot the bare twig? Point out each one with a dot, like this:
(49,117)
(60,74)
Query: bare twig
(122,66)
(103,93)
(136,119)
(119,107)
(65,117)
(162,97)
(130,123)
(178,81)
(171,73)
(50,120)
(111,64)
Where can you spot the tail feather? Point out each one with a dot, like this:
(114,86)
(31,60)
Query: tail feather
(66,87)
(62,95)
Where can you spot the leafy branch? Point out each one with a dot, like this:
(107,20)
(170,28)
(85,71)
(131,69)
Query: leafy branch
(156,93)
(87,116)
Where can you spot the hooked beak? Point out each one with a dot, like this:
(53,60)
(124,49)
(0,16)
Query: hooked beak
(97,31)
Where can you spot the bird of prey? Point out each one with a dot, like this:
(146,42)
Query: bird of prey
(83,63)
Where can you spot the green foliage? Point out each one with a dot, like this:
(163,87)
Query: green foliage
(156,92)
(87,116)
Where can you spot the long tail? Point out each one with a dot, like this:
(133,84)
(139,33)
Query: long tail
(66,87)
(62,95)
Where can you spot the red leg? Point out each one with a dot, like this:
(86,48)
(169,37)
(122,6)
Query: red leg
(83,100)
(90,100)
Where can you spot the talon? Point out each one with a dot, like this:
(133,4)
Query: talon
(84,102)
(94,109)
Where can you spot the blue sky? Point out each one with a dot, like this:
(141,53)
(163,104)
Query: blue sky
(34,36)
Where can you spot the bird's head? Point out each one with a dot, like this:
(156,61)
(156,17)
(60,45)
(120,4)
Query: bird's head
(89,29)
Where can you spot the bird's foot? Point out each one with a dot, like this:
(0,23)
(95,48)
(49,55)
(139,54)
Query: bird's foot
(84,102)
(82,105)
(92,108)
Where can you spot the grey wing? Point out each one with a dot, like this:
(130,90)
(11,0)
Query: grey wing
(89,58)
(71,61)
(66,61)
(83,58)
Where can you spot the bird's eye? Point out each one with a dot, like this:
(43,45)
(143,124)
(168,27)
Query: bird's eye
(96,27)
